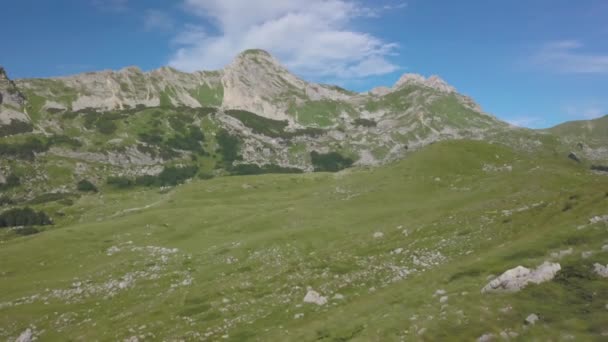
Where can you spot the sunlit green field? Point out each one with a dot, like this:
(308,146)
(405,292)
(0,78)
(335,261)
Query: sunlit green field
(232,258)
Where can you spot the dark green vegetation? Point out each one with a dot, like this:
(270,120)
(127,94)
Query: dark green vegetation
(23,217)
(253,169)
(15,127)
(86,186)
(170,176)
(329,162)
(233,256)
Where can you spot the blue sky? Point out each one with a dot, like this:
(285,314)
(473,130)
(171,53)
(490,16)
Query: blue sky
(534,63)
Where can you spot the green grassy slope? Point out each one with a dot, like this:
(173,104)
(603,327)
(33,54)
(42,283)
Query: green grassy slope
(231,258)
(593,132)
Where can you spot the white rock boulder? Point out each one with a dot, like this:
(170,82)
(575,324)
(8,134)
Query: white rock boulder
(314,297)
(519,277)
(601,270)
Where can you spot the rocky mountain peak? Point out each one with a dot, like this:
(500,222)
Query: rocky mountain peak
(9,93)
(434,82)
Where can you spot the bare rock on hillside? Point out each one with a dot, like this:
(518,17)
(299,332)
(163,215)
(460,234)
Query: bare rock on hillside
(601,270)
(26,336)
(519,277)
(314,297)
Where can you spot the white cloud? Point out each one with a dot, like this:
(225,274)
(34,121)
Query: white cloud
(311,37)
(567,56)
(157,20)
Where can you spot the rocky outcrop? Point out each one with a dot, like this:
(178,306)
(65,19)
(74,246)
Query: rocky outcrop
(9,93)
(313,297)
(433,82)
(12,119)
(257,82)
(519,277)
(601,270)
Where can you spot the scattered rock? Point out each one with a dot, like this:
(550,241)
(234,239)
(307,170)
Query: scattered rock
(421,331)
(397,251)
(132,339)
(443,299)
(298,315)
(605,248)
(486,338)
(598,219)
(439,292)
(519,277)
(26,336)
(378,235)
(314,297)
(531,319)
(601,270)
(561,254)
(338,296)
(586,254)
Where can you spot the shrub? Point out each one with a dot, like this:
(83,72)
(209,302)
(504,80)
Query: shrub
(259,124)
(190,141)
(24,217)
(25,149)
(86,186)
(26,231)
(15,127)
(253,169)
(176,175)
(599,168)
(329,162)
(229,147)
(11,181)
(365,122)
(105,126)
(120,182)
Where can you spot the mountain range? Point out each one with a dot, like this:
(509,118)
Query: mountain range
(133,208)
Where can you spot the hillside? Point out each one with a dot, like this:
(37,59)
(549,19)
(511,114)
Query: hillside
(396,252)
(588,136)
(127,127)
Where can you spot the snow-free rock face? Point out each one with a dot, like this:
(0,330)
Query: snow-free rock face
(257,82)
(126,88)
(12,119)
(519,277)
(434,82)
(9,93)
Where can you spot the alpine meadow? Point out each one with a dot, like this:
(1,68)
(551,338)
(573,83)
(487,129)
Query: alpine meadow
(249,204)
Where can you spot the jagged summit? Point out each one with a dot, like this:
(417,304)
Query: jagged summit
(433,81)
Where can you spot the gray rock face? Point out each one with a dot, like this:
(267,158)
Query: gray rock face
(9,93)
(11,102)
(434,82)
(519,277)
(26,336)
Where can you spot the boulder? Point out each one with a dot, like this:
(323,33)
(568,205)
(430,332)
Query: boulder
(314,297)
(601,270)
(531,319)
(26,336)
(519,277)
(574,157)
